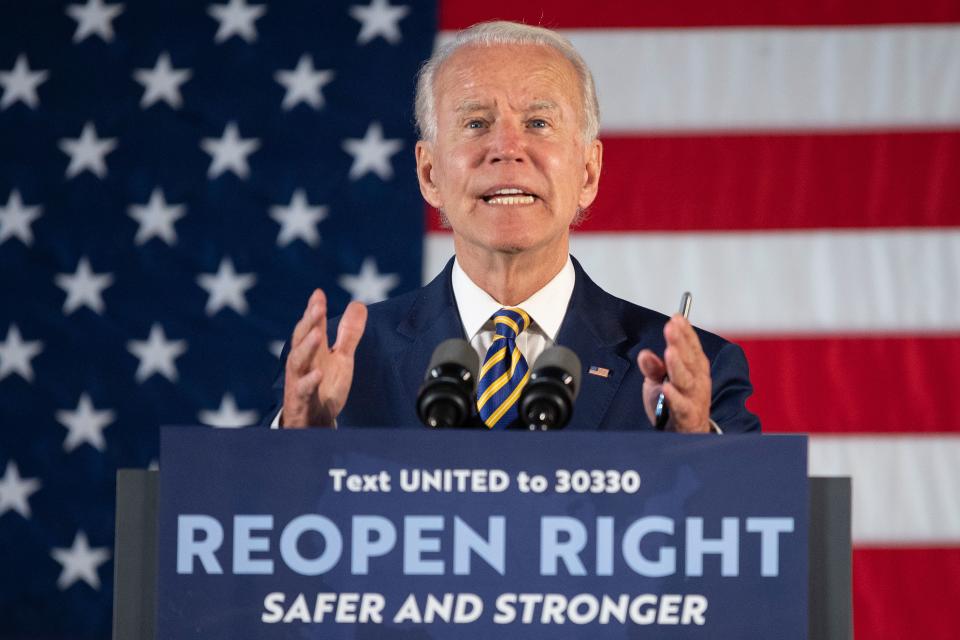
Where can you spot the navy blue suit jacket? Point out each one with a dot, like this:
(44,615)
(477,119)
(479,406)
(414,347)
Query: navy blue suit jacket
(605,331)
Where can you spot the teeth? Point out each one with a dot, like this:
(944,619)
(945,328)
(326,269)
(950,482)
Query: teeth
(511,199)
(509,196)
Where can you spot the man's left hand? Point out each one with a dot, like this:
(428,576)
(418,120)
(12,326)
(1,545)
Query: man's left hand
(689,388)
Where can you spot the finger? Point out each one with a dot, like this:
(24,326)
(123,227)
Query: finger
(682,339)
(301,329)
(351,328)
(680,403)
(680,374)
(680,333)
(320,317)
(652,367)
(299,358)
(309,317)
(307,385)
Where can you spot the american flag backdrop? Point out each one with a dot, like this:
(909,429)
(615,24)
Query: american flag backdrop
(176,177)
(796,165)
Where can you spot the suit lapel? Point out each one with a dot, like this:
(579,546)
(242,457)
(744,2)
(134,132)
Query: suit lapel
(591,327)
(432,318)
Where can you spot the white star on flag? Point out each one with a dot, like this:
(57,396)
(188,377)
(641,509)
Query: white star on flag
(298,220)
(229,152)
(162,83)
(88,152)
(83,287)
(16,491)
(379,19)
(15,219)
(228,415)
(226,288)
(80,562)
(85,424)
(94,18)
(303,84)
(20,83)
(372,153)
(276,348)
(236,18)
(156,219)
(369,285)
(157,354)
(15,354)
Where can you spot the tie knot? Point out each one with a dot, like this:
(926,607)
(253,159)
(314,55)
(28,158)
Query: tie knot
(510,322)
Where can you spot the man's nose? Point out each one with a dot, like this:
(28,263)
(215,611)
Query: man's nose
(506,143)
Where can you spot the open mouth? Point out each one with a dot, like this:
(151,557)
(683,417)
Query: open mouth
(509,196)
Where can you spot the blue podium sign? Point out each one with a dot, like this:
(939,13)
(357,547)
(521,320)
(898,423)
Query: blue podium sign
(380,533)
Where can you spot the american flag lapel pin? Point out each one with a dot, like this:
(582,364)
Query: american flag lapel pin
(603,372)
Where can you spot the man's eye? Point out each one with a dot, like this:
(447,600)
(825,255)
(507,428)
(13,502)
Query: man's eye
(538,123)
(474,124)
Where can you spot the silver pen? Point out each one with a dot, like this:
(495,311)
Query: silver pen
(662,412)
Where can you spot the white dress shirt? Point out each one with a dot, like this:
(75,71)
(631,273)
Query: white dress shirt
(546,309)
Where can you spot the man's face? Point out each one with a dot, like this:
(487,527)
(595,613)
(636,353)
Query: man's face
(509,166)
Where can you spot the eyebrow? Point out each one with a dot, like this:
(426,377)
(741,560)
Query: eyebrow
(476,105)
(542,105)
(470,106)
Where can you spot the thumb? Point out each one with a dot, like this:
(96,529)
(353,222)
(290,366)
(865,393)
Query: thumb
(652,367)
(351,328)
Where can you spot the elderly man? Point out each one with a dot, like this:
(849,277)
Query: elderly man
(509,154)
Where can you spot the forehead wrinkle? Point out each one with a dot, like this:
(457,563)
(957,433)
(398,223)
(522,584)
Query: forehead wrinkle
(461,74)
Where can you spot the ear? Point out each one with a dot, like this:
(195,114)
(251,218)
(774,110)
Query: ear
(428,188)
(591,174)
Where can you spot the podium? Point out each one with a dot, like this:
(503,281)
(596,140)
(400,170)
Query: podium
(400,533)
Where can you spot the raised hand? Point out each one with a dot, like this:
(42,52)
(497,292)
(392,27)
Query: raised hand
(317,378)
(689,388)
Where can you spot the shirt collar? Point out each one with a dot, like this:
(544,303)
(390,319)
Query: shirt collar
(546,307)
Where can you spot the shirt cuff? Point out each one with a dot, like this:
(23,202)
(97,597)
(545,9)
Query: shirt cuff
(276,421)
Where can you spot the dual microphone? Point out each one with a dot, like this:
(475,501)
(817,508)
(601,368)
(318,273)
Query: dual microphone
(447,397)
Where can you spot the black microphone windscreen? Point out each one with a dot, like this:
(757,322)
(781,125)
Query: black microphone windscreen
(455,351)
(559,357)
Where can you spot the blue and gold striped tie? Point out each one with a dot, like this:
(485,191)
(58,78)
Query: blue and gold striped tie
(504,370)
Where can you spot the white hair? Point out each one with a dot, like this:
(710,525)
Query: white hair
(489,34)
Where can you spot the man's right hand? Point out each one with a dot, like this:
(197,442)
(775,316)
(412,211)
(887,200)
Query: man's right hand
(318,377)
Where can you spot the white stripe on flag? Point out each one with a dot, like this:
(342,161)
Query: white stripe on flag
(904,487)
(773,78)
(776,282)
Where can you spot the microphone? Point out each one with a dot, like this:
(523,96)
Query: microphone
(547,399)
(446,398)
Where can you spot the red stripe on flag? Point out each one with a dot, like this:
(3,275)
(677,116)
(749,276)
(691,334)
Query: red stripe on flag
(573,14)
(855,384)
(906,593)
(765,182)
